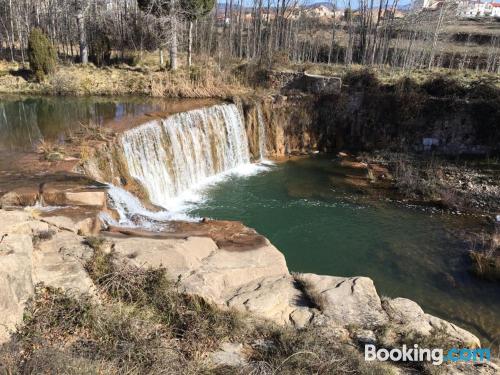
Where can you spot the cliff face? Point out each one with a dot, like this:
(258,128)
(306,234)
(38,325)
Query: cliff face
(367,115)
(291,127)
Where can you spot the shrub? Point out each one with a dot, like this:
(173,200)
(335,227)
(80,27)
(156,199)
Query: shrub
(364,78)
(42,54)
(441,86)
(100,49)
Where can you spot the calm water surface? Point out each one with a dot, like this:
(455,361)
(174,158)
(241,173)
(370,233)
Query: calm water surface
(27,121)
(323,225)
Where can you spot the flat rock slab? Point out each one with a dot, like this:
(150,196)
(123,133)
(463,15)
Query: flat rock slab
(274,298)
(59,262)
(16,285)
(203,267)
(26,260)
(347,300)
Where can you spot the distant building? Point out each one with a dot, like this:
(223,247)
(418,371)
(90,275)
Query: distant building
(478,9)
(319,11)
(495,10)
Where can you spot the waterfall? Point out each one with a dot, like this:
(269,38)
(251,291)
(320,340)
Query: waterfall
(262,133)
(179,153)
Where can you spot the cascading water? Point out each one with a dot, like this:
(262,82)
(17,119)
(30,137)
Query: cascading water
(262,133)
(173,156)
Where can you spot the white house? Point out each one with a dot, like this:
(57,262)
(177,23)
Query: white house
(478,9)
(495,10)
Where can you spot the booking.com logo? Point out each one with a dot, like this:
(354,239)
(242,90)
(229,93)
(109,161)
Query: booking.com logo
(435,356)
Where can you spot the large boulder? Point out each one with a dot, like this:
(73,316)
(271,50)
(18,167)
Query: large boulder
(16,285)
(203,267)
(408,318)
(32,252)
(347,301)
(274,298)
(59,263)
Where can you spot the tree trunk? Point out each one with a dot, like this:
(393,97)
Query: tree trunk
(190,43)
(161,57)
(84,52)
(173,43)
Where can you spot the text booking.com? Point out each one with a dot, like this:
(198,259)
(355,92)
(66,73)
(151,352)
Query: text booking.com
(435,356)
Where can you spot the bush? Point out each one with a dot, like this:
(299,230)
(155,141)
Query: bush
(364,78)
(42,54)
(100,49)
(441,86)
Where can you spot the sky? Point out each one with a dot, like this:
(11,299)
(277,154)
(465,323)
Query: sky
(340,3)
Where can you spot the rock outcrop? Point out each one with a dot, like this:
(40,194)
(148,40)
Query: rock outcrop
(32,252)
(250,276)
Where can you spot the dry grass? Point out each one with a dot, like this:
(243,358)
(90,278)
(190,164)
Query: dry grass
(316,299)
(143,324)
(210,78)
(206,80)
(485,255)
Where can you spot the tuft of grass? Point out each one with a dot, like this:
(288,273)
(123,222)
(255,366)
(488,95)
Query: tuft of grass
(44,235)
(191,319)
(315,298)
(485,256)
(288,351)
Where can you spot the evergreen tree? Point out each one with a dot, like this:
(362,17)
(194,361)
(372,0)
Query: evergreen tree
(41,54)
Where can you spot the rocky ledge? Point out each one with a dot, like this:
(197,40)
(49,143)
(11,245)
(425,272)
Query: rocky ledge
(223,262)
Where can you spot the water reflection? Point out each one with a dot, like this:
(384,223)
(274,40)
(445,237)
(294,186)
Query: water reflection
(26,121)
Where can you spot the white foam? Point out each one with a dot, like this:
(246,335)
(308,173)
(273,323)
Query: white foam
(133,214)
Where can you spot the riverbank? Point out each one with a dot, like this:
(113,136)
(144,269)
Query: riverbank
(107,304)
(208,80)
(77,80)
(469,186)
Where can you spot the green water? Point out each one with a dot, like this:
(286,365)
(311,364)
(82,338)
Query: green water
(325,226)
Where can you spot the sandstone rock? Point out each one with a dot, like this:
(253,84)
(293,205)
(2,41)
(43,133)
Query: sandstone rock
(301,317)
(86,198)
(56,262)
(19,197)
(94,198)
(178,256)
(454,332)
(203,268)
(20,222)
(15,281)
(224,271)
(229,354)
(83,226)
(409,318)
(408,315)
(348,301)
(274,298)
(59,262)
